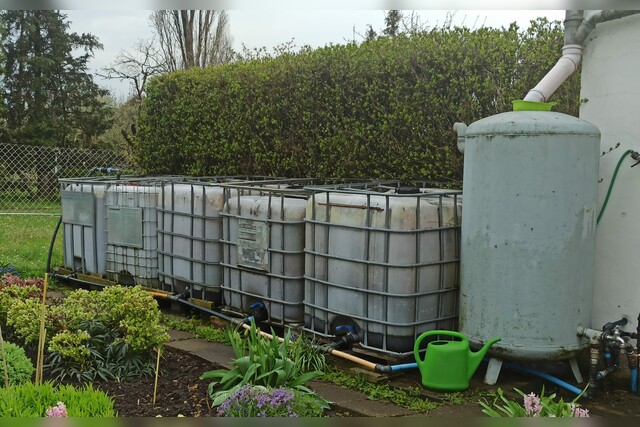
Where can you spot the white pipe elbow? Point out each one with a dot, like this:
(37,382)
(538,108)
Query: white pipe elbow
(564,68)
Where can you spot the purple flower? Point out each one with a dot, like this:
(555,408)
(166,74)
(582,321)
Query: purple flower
(57,411)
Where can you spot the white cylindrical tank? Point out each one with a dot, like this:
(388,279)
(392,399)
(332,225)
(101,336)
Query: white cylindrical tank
(610,91)
(528,233)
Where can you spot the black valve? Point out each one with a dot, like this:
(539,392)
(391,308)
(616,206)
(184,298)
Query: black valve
(635,156)
(610,326)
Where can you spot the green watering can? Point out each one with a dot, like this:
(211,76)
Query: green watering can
(449,365)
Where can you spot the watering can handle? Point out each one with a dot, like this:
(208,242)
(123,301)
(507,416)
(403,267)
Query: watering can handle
(416,346)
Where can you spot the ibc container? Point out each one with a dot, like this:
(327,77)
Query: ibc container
(263,249)
(132,236)
(383,260)
(83,224)
(189,234)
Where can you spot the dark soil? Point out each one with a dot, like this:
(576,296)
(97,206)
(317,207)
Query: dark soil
(180,391)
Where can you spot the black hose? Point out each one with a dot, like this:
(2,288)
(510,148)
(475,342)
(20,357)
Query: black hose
(53,241)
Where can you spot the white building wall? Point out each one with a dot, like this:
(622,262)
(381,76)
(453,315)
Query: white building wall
(611,101)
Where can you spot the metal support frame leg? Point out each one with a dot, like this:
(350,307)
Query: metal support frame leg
(493,370)
(576,370)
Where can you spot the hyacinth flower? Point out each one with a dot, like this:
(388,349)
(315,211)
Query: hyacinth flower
(533,406)
(60,410)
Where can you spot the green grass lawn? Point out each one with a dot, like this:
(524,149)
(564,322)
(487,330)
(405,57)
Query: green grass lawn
(25,240)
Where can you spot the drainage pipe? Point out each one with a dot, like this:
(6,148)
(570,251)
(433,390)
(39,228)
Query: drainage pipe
(576,31)
(566,65)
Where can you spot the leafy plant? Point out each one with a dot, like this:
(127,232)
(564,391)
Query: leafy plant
(533,406)
(23,317)
(13,288)
(131,310)
(19,366)
(95,352)
(304,351)
(30,400)
(266,363)
(259,401)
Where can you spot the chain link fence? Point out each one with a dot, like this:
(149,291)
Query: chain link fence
(29,174)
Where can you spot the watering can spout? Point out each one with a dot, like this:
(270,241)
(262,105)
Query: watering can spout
(476,358)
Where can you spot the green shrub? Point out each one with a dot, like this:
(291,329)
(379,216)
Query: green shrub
(13,288)
(24,318)
(19,366)
(30,400)
(108,334)
(131,310)
(95,352)
(378,109)
(266,363)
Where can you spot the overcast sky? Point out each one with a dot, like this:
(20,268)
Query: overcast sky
(119,30)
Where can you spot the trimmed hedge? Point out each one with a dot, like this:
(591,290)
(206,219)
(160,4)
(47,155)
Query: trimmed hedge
(381,109)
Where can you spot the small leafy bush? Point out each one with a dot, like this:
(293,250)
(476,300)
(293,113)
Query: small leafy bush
(13,288)
(258,401)
(19,366)
(130,309)
(23,316)
(266,363)
(30,400)
(533,406)
(95,352)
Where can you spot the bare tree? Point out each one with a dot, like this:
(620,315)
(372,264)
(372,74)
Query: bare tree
(136,67)
(192,38)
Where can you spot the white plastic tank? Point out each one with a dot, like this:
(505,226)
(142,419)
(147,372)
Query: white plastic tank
(263,251)
(528,233)
(189,233)
(83,224)
(132,239)
(385,262)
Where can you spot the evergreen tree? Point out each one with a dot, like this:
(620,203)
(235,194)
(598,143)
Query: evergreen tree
(392,22)
(49,96)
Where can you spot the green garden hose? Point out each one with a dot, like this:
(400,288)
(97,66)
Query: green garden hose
(613,179)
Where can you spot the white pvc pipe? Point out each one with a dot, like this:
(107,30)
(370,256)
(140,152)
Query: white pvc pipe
(575,37)
(566,65)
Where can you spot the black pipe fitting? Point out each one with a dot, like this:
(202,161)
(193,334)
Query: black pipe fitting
(258,312)
(347,334)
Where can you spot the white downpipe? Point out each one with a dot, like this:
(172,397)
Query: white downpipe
(566,65)
(575,36)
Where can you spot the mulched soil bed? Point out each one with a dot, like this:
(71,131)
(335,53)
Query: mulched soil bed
(180,391)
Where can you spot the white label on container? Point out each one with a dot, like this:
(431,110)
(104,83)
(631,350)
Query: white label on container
(253,244)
